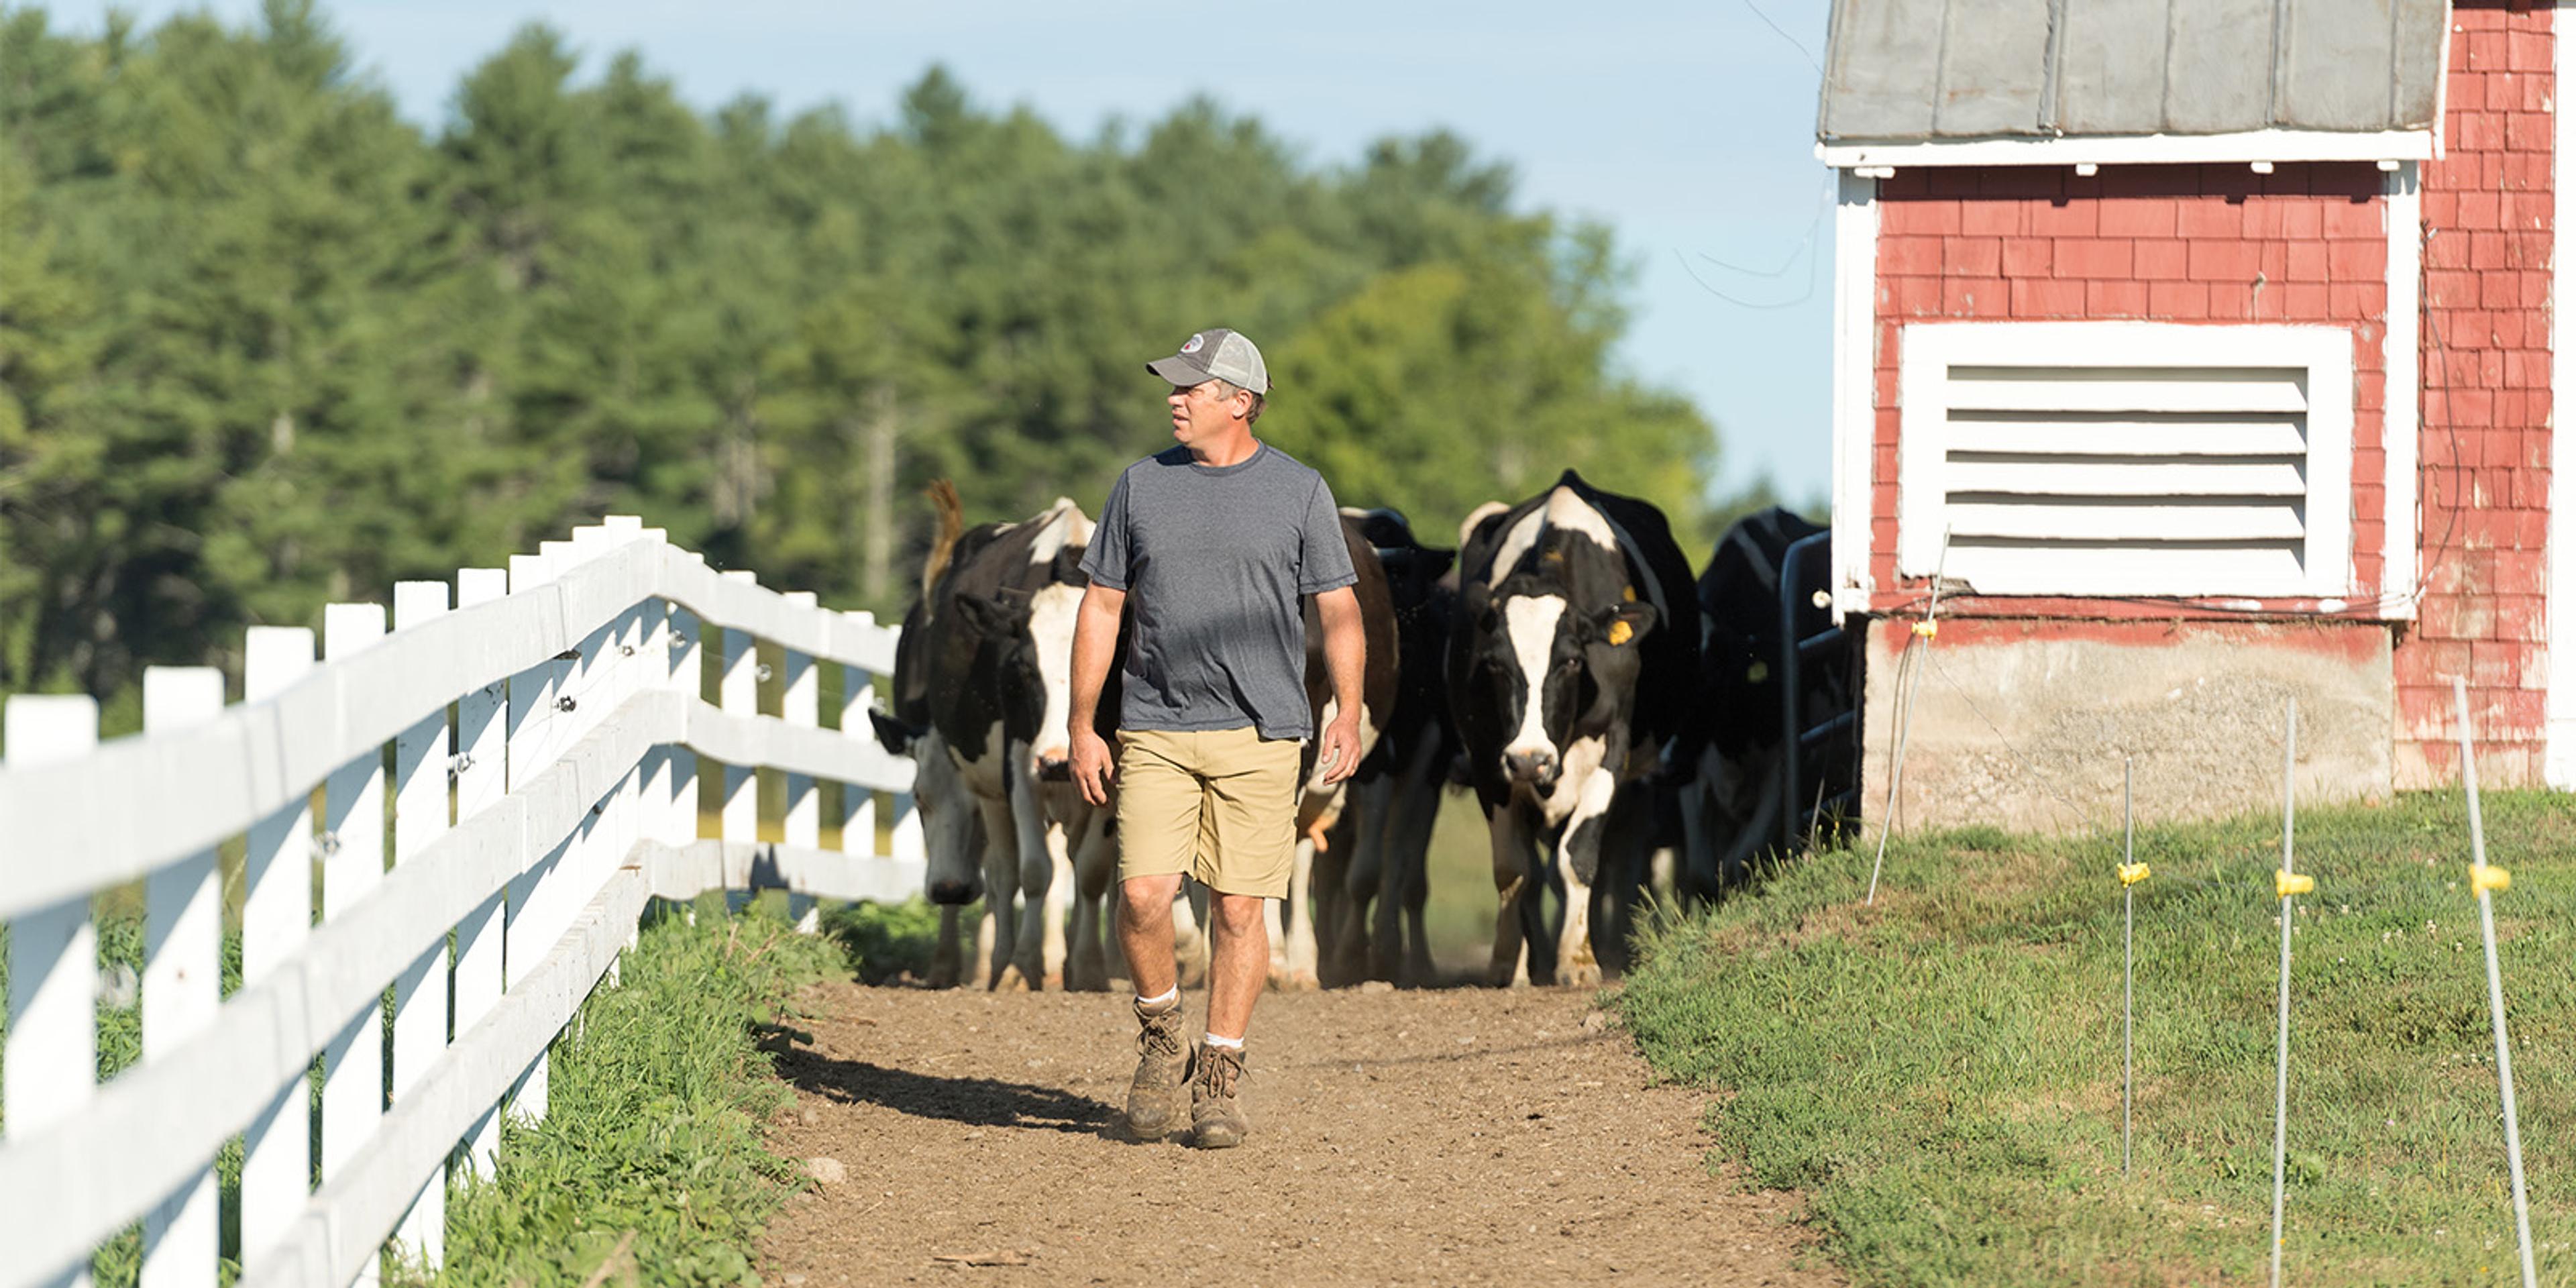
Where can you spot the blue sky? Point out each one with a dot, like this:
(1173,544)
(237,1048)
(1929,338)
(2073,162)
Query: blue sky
(1688,127)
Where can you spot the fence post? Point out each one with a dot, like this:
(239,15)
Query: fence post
(53,955)
(481,772)
(420,992)
(858,802)
(182,969)
(738,693)
(801,705)
(277,917)
(533,730)
(687,677)
(353,865)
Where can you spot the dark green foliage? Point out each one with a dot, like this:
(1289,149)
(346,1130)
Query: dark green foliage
(1942,1072)
(264,344)
(884,942)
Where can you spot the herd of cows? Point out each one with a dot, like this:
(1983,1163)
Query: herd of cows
(1612,714)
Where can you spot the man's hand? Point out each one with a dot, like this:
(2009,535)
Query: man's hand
(1340,753)
(1093,767)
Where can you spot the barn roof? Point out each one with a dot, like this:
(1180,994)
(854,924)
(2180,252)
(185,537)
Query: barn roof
(1939,70)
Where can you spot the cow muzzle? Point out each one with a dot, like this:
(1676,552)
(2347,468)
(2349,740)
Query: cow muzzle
(953,892)
(1055,765)
(1532,767)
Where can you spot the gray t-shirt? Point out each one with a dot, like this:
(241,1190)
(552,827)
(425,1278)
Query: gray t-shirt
(1214,560)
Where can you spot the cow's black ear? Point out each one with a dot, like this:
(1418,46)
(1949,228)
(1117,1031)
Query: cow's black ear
(892,734)
(1626,623)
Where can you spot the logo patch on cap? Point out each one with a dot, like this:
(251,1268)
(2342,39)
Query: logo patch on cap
(1194,344)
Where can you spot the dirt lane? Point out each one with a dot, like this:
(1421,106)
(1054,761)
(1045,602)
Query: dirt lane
(1438,1137)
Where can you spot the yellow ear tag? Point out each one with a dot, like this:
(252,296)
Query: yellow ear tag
(1628,594)
(2290,883)
(2484,879)
(1621,632)
(2132,873)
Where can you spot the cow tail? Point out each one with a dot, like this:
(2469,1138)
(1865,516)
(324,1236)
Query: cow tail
(952,524)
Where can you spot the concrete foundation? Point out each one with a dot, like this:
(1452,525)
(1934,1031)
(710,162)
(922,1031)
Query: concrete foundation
(2023,724)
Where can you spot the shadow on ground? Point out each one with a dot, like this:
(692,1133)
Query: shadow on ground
(981,1102)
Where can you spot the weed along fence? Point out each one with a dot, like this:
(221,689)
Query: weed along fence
(529,762)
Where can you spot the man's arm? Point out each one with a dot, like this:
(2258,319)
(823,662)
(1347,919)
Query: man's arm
(1095,642)
(1346,659)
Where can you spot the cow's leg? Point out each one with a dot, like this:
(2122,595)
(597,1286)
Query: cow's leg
(943,956)
(1189,940)
(1363,877)
(1330,872)
(1037,855)
(1057,902)
(1403,881)
(1095,861)
(999,938)
(1513,886)
(1578,865)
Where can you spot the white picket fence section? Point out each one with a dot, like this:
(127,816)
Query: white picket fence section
(574,678)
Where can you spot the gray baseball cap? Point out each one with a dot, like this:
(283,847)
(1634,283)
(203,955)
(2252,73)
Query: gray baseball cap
(1215,354)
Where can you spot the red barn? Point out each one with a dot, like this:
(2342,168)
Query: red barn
(2202,350)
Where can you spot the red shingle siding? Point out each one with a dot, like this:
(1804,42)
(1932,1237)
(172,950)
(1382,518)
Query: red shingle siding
(2486,405)
(2154,243)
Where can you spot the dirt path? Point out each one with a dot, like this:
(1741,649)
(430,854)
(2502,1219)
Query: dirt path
(1438,1137)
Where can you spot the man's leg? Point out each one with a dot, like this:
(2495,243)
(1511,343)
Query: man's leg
(1158,827)
(1240,965)
(1145,931)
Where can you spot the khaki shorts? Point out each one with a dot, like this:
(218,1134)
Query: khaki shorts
(1220,805)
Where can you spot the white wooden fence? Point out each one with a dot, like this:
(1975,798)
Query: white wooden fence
(578,720)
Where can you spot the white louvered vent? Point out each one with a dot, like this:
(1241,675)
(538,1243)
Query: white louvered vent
(2117,458)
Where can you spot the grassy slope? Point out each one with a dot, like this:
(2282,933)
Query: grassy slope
(651,1153)
(1942,1072)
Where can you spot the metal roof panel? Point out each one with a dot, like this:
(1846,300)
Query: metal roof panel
(1923,70)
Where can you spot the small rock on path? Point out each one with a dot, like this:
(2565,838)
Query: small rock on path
(1434,1137)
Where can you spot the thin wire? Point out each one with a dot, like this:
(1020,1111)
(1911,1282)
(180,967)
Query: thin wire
(1784,35)
(1803,296)
(1824,202)
(2081,817)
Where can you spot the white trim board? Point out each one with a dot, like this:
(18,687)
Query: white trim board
(2055,494)
(1855,415)
(2401,351)
(2245,147)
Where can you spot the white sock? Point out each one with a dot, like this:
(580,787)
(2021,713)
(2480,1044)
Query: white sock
(1142,1000)
(1225,1044)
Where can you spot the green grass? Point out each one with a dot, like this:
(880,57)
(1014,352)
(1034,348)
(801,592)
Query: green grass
(1941,1073)
(651,1153)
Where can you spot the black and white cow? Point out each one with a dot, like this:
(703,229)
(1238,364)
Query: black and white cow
(1294,950)
(983,675)
(1730,799)
(1574,653)
(1379,851)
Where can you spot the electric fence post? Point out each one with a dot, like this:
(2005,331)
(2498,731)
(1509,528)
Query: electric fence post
(2131,873)
(2287,884)
(2484,881)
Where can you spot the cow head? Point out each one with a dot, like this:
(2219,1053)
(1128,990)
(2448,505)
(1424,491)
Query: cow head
(1026,631)
(950,825)
(1553,650)
(1555,671)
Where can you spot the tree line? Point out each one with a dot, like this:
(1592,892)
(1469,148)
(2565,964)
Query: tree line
(265,344)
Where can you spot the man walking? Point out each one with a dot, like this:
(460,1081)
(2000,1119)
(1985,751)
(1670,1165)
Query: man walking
(1212,542)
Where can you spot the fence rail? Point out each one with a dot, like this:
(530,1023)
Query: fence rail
(544,739)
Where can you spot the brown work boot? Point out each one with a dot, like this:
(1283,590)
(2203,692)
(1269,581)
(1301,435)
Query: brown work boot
(1162,1069)
(1216,1100)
